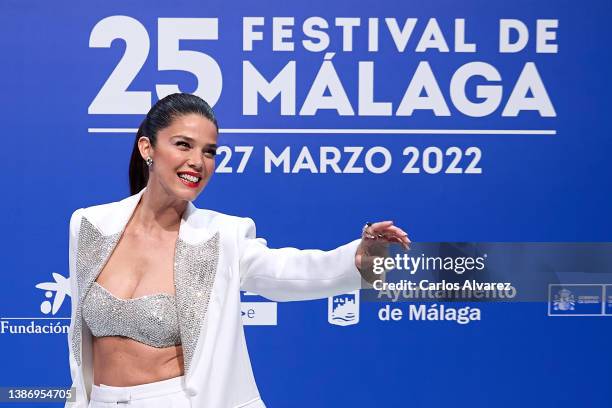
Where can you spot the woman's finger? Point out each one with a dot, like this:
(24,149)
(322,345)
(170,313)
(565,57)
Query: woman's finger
(392,236)
(374,229)
(385,230)
(403,235)
(396,232)
(392,229)
(377,227)
(402,232)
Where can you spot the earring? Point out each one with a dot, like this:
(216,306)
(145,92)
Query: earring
(149,161)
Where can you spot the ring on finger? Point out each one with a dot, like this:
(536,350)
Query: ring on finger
(364,231)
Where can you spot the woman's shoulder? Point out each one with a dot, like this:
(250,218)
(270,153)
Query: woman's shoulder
(102,207)
(106,217)
(91,211)
(218,218)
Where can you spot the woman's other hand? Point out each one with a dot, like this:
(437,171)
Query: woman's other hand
(375,239)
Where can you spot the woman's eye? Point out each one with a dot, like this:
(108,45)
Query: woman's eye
(210,153)
(182,144)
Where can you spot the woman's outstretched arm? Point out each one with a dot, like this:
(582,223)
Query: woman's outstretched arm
(288,274)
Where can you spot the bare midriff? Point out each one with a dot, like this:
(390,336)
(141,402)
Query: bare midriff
(123,362)
(141,264)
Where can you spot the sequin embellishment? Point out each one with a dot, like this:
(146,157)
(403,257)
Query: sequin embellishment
(93,250)
(150,319)
(195,268)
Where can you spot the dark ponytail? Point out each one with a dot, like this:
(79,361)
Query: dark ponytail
(159,117)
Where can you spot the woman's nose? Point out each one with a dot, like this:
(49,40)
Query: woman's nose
(195,161)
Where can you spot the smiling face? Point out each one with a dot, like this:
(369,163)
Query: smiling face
(183,156)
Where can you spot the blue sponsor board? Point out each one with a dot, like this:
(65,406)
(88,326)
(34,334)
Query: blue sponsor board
(575,300)
(450,163)
(608,300)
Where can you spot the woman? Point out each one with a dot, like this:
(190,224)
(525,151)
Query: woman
(155,281)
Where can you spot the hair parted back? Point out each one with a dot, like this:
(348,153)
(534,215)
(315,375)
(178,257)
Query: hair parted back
(160,116)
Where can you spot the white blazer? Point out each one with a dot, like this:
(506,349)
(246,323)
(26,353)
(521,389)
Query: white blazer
(216,256)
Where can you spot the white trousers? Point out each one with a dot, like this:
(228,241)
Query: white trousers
(161,394)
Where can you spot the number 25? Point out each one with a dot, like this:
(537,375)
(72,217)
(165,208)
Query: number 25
(114,98)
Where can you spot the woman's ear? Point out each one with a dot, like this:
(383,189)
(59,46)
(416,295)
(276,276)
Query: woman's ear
(145,147)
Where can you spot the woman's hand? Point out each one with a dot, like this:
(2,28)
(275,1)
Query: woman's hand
(375,239)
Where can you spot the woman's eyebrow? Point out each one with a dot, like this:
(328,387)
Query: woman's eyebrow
(193,140)
(184,137)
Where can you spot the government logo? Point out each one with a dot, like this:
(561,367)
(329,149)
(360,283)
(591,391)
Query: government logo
(343,310)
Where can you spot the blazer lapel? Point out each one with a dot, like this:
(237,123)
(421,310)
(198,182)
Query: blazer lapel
(92,252)
(195,266)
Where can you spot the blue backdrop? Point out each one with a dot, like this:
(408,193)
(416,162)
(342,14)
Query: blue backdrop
(529,126)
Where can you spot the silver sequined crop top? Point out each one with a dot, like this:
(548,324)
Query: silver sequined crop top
(150,319)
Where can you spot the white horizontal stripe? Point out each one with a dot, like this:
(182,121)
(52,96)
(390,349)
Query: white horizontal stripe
(364,131)
(34,318)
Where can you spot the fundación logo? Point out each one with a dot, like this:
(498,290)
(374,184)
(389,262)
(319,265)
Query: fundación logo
(55,293)
(57,290)
(343,310)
